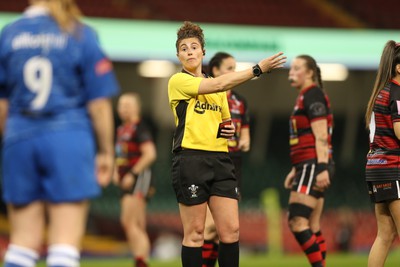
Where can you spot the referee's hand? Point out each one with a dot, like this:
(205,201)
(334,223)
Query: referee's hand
(228,131)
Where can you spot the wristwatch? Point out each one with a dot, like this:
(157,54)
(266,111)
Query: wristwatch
(257,71)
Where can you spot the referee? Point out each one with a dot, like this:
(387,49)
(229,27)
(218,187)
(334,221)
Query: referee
(202,171)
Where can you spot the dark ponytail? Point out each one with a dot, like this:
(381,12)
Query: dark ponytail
(387,70)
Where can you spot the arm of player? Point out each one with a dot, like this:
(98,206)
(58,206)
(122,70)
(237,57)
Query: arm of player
(289,178)
(100,111)
(3,114)
(320,131)
(396,128)
(149,155)
(244,141)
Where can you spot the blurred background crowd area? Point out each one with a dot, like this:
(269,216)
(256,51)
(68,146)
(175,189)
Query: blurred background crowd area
(349,219)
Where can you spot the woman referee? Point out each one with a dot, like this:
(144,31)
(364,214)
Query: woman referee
(202,172)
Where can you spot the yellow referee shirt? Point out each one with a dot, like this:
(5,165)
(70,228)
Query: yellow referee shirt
(197,117)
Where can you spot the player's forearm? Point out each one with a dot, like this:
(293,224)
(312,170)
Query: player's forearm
(100,111)
(3,114)
(148,157)
(322,149)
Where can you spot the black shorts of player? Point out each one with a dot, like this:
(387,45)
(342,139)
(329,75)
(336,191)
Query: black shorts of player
(305,178)
(237,163)
(383,191)
(143,186)
(197,175)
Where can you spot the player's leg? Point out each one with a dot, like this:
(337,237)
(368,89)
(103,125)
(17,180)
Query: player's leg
(315,219)
(68,184)
(225,212)
(27,227)
(22,191)
(133,219)
(301,207)
(193,218)
(385,235)
(67,224)
(211,243)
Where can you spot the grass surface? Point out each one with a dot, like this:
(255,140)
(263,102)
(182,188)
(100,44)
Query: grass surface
(292,260)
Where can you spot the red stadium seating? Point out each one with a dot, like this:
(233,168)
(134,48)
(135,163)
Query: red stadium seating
(293,13)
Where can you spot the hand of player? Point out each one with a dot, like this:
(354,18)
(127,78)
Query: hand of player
(104,168)
(289,179)
(115,177)
(273,62)
(323,180)
(127,181)
(244,145)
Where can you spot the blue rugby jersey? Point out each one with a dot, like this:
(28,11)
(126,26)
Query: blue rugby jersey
(49,76)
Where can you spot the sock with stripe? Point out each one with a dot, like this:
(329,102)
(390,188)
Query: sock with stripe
(191,256)
(140,262)
(322,244)
(62,255)
(210,253)
(308,242)
(228,254)
(17,256)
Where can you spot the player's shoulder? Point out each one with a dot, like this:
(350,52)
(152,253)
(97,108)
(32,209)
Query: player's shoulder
(314,91)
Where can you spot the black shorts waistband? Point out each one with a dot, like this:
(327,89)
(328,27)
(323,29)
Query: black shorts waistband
(194,152)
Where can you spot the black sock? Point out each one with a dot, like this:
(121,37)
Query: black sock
(191,256)
(228,254)
(210,253)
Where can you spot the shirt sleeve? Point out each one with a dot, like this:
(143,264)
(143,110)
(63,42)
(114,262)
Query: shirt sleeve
(395,103)
(315,104)
(183,86)
(143,133)
(98,76)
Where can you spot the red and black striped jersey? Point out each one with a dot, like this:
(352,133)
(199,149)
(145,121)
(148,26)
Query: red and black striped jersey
(383,157)
(240,118)
(127,148)
(312,104)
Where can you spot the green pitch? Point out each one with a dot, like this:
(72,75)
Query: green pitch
(342,260)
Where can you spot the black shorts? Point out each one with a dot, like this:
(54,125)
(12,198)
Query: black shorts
(382,191)
(143,186)
(237,163)
(305,178)
(197,175)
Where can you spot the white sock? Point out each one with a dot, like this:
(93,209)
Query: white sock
(20,256)
(63,255)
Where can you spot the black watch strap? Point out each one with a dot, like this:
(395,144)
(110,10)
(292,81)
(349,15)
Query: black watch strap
(257,70)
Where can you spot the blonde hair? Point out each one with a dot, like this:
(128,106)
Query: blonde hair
(65,12)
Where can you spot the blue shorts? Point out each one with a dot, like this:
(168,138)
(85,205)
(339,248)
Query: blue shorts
(54,167)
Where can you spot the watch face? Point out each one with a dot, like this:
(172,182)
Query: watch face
(256,71)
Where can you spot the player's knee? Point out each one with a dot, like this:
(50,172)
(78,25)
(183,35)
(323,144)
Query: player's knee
(210,232)
(299,215)
(229,234)
(387,234)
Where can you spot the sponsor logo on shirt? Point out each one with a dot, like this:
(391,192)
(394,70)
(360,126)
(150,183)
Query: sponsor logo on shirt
(103,66)
(27,40)
(201,107)
(376,161)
